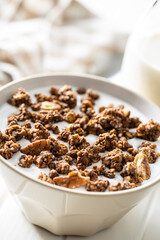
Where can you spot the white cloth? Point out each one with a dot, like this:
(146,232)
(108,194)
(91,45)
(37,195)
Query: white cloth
(50,35)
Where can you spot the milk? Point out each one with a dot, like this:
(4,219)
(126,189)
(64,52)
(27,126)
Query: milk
(141,66)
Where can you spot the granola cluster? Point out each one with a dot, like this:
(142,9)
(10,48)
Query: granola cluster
(72,161)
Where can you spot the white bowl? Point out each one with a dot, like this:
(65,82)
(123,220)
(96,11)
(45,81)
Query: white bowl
(66,211)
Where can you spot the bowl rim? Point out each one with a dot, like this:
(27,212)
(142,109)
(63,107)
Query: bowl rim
(68,190)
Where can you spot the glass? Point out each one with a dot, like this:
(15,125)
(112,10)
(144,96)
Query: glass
(141,63)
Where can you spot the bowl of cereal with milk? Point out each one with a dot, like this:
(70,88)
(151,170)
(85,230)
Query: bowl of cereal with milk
(77,152)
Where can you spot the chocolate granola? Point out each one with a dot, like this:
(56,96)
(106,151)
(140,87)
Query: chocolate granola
(78,163)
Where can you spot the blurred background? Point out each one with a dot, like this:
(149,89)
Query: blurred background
(86,36)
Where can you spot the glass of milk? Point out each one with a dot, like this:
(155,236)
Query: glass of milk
(141,63)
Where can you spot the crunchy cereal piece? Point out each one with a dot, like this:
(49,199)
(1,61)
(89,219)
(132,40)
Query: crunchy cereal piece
(5,137)
(53,116)
(22,114)
(62,167)
(73,180)
(93,153)
(70,160)
(128,158)
(54,91)
(92,94)
(132,151)
(79,115)
(61,104)
(40,162)
(85,105)
(83,160)
(91,173)
(109,122)
(149,149)
(55,129)
(49,157)
(81,90)
(124,132)
(58,149)
(36,106)
(53,173)
(87,108)
(97,186)
(26,161)
(102,108)
(40,97)
(149,131)
(52,165)
(113,118)
(121,106)
(48,126)
(115,187)
(134,122)
(110,173)
(100,169)
(45,178)
(93,127)
(12,120)
(88,98)
(36,147)
(64,111)
(17,131)
(76,129)
(113,159)
(20,97)
(127,184)
(9,148)
(123,144)
(129,169)
(27,124)
(64,135)
(133,179)
(45,117)
(65,88)
(72,153)
(90,112)
(50,105)
(37,132)
(107,141)
(67,96)
(87,156)
(77,142)
(70,116)
(42,118)
(83,120)
(147,144)
(142,166)
(44,160)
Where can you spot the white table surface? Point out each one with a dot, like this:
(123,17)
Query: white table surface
(141,223)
